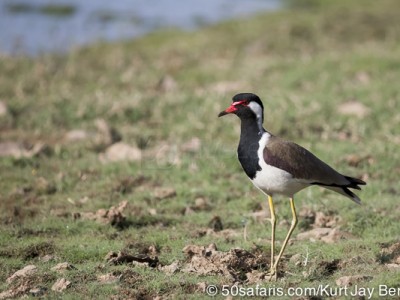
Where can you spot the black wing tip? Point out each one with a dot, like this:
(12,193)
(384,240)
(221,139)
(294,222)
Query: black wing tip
(355,182)
(343,190)
(352,196)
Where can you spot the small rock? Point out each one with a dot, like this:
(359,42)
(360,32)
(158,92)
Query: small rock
(296,259)
(108,278)
(259,216)
(114,215)
(47,258)
(284,223)
(336,235)
(393,267)
(327,267)
(187,211)
(20,290)
(106,135)
(164,192)
(201,204)
(391,254)
(193,145)
(164,154)
(152,250)
(3,109)
(117,258)
(63,267)
(307,213)
(7,294)
(392,250)
(225,233)
(353,108)
(327,235)
(100,139)
(363,77)
(62,213)
(152,211)
(351,280)
(127,184)
(110,255)
(201,286)
(255,276)
(228,234)
(167,84)
(60,285)
(25,272)
(76,135)
(210,248)
(216,224)
(191,250)
(43,186)
(171,269)
(326,220)
(19,150)
(352,261)
(120,152)
(193,167)
(83,200)
(14,149)
(37,291)
(314,234)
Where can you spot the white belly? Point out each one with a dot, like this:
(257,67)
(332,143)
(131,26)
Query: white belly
(272,180)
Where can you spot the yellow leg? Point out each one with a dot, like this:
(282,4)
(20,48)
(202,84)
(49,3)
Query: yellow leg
(273,223)
(292,226)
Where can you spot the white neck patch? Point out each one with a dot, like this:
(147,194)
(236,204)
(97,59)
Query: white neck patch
(256,108)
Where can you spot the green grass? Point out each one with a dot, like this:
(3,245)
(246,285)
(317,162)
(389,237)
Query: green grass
(304,62)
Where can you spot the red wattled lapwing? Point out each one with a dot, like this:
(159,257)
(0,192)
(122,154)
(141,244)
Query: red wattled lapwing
(276,166)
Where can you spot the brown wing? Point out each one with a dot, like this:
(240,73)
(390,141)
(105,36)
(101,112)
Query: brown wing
(301,163)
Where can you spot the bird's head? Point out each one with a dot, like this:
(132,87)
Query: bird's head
(245,105)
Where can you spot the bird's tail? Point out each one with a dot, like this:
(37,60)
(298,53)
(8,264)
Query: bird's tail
(354,183)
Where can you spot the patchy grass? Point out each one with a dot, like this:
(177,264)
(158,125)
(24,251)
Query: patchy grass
(160,92)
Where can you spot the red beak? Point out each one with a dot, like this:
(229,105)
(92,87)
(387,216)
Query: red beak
(229,110)
(232,108)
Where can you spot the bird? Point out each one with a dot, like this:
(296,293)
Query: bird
(280,167)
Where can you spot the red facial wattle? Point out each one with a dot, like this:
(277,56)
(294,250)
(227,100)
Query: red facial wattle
(232,108)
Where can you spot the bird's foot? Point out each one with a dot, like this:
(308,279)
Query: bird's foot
(271,275)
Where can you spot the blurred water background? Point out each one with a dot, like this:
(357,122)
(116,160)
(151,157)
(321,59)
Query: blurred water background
(33,27)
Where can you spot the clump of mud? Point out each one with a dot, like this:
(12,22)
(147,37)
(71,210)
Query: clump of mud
(236,264)
(390,255)
(114,215)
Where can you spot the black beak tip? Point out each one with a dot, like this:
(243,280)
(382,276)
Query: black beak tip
(222,113)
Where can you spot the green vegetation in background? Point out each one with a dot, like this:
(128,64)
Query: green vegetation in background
(305,62)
